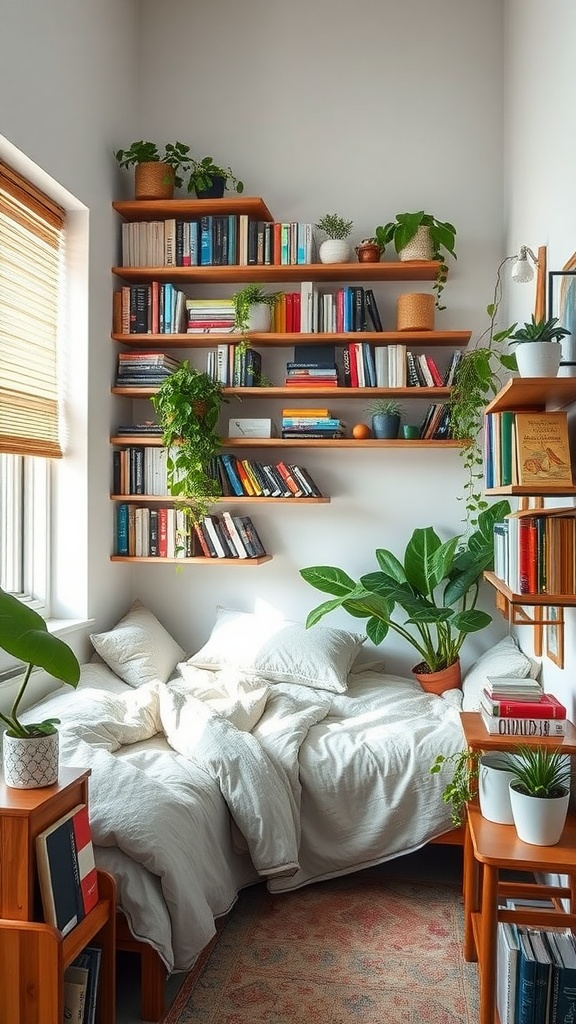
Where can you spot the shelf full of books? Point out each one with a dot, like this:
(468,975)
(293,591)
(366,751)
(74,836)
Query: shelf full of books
(527,452)
(536,971)
(168,534)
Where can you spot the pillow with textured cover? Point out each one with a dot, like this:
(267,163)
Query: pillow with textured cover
(280,650)
(504,659)
(138,648)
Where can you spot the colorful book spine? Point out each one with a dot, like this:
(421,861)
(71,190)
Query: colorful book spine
(533,727)
(547,707)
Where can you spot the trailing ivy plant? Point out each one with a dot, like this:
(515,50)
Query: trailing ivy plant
(188,405)
(479,377)
(243,300)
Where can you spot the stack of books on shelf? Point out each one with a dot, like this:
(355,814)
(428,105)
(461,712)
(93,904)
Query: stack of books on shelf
(144,369)
(155,308)
(436,423)
(308,423)
(311,310)
(209,316)
(249,478)
(536,974)
(169,533)
(527,447)
(535,551)
(81,986)
(314,375)
(519,707)
(235,365)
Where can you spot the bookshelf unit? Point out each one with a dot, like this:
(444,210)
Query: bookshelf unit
(34,955)
(256,209)
(533,394)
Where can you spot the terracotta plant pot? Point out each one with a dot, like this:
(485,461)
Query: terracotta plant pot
(153,180)
(368,252)
(437,682)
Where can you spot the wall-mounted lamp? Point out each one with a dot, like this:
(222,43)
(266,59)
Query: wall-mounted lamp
(523,271)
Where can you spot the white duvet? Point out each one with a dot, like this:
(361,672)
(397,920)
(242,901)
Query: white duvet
(202,785)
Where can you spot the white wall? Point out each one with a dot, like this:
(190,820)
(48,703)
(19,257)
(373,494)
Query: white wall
(540,200)
(363,108)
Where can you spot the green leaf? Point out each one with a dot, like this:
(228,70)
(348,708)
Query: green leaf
(329,579)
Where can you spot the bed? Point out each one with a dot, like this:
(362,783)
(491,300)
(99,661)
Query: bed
(272,753)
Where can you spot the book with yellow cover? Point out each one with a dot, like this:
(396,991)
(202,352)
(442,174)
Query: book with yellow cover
(543,447)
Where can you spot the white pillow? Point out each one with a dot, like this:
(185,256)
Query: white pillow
(280,650)
(504,659)
(139,649)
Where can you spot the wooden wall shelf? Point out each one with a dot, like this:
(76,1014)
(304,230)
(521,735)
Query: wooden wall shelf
(428,339)
(534,393)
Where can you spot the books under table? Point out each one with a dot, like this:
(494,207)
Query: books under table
(524,727)
(536,975)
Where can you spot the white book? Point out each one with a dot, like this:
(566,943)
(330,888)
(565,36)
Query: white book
(170,242)
(207,522)
(171,532)
(521,727)
(235,535)
(75,986)
(381,365)
(506,972)
(222,363)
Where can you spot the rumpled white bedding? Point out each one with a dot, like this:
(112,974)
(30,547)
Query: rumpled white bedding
(186,808)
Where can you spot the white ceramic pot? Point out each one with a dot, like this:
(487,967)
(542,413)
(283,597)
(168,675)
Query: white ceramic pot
(335,250)
(494,789)
(259,317)
(538,358)
(30,762)
(539,820)
(420,247)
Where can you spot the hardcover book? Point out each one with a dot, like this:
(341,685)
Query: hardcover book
(543,447)
(520,727)
(66,870)
(547,707)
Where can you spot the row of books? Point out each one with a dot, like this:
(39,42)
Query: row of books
(217,240)
(81,979)
(535,551)
(235,365)
(527,447)
(156,308)
(536,974)
(143,532)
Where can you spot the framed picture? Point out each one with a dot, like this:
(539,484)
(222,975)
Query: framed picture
(555,635)
(562,304)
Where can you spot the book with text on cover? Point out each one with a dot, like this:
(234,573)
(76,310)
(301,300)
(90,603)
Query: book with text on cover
(543,447)
(66,869)
(547,707)
(532,727)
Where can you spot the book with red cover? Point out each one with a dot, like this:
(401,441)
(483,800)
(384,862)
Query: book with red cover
(66,869)
(547,707)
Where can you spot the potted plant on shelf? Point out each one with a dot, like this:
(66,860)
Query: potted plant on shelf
(253,308)
(30,752)
(335,248)
(421,236)
(156,172)
(188,405)
(540,794)
(474,773)
(385,417)
(435,586)
(209,180)
(538,352)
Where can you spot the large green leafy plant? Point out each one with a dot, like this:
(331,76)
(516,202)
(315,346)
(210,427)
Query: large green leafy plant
(24,635)
(188,405)
(176,154)
(429,598)
(402,230)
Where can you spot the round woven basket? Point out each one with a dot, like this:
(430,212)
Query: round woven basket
(415,312)
(153,181)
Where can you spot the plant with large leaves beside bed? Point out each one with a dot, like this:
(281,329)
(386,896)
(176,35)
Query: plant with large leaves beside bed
(436,586)
(24,635)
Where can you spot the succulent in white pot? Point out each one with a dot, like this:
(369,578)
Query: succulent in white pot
(335,248)
(540,794)
(538,350)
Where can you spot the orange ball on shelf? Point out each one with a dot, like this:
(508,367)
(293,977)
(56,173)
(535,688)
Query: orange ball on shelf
(361,431)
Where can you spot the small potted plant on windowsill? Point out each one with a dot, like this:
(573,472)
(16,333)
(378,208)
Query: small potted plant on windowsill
(156,172)
(335,248)
(30,752)
(421,236)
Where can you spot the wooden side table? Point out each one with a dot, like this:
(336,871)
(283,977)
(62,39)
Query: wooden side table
(492,848)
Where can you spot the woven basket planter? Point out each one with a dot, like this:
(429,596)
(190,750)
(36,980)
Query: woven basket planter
(415,312)
(420,247)
(153,181)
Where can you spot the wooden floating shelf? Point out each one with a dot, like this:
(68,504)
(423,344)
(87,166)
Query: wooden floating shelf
(410,270)
(137,499)
(432,339)
(196,559)
(530,600)
(534,491)
(534,393)
(131,440)
(188,209)
(305,392)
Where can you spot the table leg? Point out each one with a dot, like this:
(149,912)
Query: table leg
(470,891)
(487,943)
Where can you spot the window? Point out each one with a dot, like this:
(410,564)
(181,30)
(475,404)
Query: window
(31,291)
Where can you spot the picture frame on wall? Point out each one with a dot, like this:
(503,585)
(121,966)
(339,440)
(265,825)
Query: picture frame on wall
(562,304)
(555,635)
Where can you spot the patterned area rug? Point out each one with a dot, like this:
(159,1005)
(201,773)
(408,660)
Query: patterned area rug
(355,950)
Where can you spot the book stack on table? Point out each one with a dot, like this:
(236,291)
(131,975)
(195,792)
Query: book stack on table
(519,707)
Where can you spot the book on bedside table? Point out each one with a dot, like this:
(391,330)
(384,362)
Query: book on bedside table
(67,870)
(529,727)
